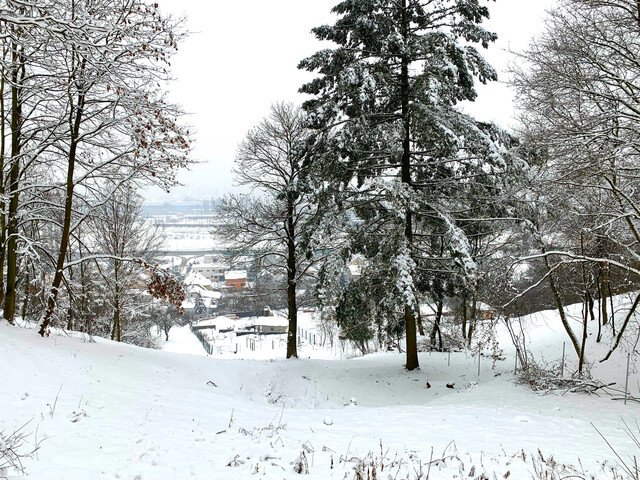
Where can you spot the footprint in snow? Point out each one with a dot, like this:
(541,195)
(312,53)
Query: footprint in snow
(522,419)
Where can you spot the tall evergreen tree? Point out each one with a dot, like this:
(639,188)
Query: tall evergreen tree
(385,102)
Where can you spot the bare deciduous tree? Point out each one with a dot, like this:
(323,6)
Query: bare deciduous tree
(581,105)
(276,226)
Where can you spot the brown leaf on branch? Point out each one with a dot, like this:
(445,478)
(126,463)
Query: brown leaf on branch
(164,285)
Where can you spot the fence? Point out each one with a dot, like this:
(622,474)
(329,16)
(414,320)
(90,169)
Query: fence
(203,340)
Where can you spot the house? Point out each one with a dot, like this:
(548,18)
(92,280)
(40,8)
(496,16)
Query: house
(271,325)
(198,281)
(236,279)
(211,299)
(210,271)
(200,299)
(200,305)
(219,324)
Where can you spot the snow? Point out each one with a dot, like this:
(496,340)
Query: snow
(213,294)
(235,275)
(271,321)
(199,267)
(219,323)
(181,340)
(102,410)
(188,304)
(197,280)
(189,239)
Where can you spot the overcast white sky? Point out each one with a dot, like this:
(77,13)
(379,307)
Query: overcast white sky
(242,56)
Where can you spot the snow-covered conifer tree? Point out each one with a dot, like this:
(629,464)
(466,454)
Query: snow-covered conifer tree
(415,167)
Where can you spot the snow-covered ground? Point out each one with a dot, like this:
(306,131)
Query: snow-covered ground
(196,239)
(102,410)
(230,344)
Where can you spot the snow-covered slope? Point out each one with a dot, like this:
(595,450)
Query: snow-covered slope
(102,410)
(545,337)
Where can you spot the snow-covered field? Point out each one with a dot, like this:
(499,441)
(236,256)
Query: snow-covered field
(102,410)
(196,239)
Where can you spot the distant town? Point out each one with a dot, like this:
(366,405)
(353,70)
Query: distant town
(220,305)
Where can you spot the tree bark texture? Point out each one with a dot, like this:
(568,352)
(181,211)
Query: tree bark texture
(3,219)
(14,174)
(603,294)
(409,310)
(472,321)
(292,305)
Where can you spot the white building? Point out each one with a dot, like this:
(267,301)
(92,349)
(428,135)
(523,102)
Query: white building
(212,272)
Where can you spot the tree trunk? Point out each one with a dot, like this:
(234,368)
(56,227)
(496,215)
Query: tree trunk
(114,328)
(292,333)
(70,319)
(603,294)
(599,336)
(83,297)
(118,324)
(624,326)
(3,219)
(613,312)
(420,325)
(116,333)
(435,331)
(599,285)
(25,301)
(588,310)
(14,174)
(472,320)
(68,211)
(464,317)
(560,307)
(409,310)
